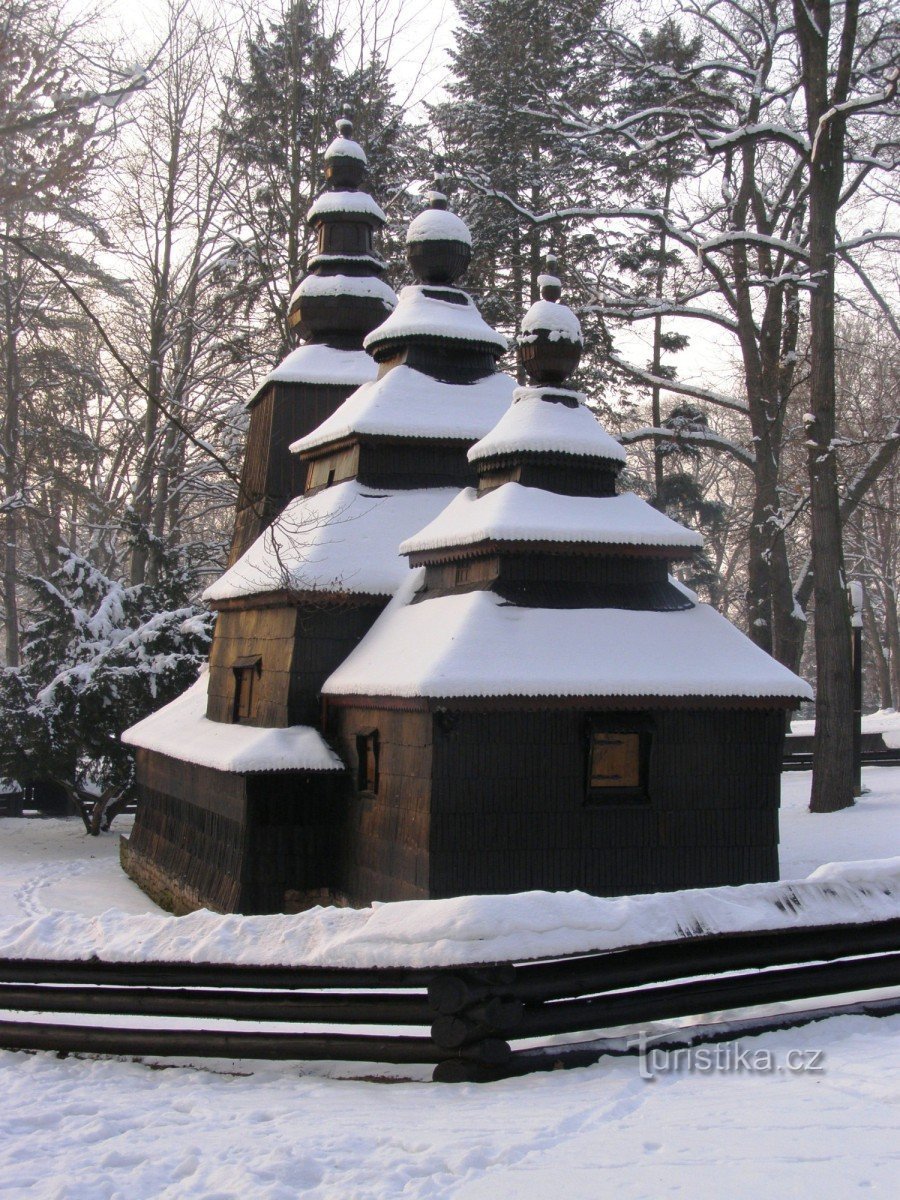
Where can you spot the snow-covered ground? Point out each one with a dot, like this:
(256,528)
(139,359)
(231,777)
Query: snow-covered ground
(84,1129)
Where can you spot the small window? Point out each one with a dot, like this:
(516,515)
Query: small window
(618,760)
(246,687)
(367,761)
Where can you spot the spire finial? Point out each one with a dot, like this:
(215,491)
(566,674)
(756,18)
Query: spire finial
(550,283)
(551,340)
(344,123)
(437,193)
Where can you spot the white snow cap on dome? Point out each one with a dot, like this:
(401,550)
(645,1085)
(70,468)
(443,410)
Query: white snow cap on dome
(419,314)
(368,286)
(533,423)
(349,202)
(343,147)
(558,319)
(515,513)
(436,224)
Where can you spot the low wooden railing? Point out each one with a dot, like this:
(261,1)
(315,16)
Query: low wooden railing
(470,1017)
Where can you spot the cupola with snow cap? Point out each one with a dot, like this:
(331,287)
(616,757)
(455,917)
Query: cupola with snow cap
(332,309)
(343,297)
(438,242)
(436,326)
(551,341)
(548,438)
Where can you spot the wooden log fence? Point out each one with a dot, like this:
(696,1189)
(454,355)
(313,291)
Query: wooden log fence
(468,1019)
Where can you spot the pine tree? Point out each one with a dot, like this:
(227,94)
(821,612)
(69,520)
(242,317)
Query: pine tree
(99,656)
(513,63)
(279,124)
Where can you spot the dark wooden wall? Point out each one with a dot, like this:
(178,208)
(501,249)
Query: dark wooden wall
(271,475)
(386,837)
(268,632)
(509,813)
(298,645)
(234,843)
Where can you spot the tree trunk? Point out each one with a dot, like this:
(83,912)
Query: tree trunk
(832,786)
(11,476)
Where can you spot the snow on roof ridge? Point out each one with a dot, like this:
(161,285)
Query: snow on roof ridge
(515,513)
(535,423)
(405,402)
(182,730)
(340,540)
(345,201)
(346,285)
(316,363)
(474,645)
(420,315)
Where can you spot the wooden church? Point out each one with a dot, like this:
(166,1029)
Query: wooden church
(449,657)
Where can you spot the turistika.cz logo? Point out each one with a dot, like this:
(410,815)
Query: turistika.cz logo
(726,1058)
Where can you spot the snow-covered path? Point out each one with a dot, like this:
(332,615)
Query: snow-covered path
(86,1130)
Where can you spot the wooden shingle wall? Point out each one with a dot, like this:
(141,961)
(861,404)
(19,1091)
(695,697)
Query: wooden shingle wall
(269,633)
(509,808)
(324,637)
(271,475)
(386,837)
(234,843)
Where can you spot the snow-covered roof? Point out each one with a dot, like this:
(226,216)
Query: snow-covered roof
(477,645)
(436,224)
(407,403)
(344,538)
(514,513)
(345,202)
(346,285)
(323,364)
(181,730)
(420,315)
(532,423)
(557,318)
(343,147)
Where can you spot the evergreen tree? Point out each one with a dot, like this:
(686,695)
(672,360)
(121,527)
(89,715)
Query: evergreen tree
(516,61)
(99,656)
(279,123)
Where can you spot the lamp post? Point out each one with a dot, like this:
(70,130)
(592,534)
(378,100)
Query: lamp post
(855,596)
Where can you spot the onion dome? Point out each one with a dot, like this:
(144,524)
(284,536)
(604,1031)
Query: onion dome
(433,314)
(345,160)
(438,242)
(343,297)
(551,341)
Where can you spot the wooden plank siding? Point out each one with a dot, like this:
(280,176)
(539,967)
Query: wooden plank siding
(234,843)
(494,802)
(386,837)
(298,645)
(509,809)
(271,474)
